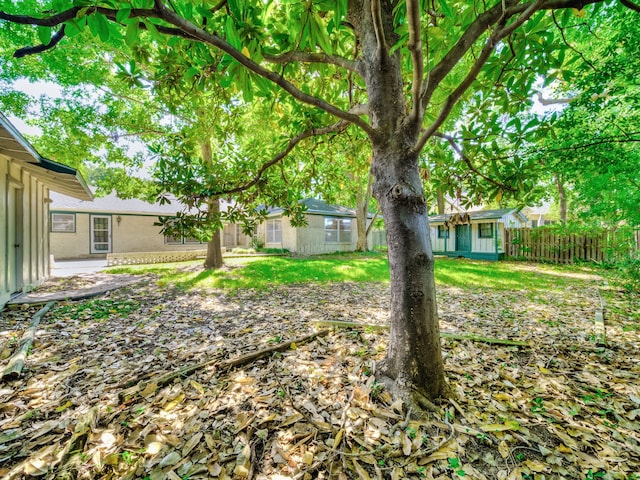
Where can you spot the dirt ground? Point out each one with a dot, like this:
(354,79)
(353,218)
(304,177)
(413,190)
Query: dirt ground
(97,398)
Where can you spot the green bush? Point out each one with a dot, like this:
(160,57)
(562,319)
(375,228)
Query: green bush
(627,273)
(274,250)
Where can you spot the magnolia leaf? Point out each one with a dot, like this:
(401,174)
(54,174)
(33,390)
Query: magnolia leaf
(501,427)
(123,13)
(362,473)
(170,459)
(445,8)
(44,34)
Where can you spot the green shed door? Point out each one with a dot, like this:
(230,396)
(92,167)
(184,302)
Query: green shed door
(463,238)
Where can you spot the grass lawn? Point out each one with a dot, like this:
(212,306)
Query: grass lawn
(266,272)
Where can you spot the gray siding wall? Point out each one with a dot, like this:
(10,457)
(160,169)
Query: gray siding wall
(23,204)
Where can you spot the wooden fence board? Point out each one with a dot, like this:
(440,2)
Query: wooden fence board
(541,245)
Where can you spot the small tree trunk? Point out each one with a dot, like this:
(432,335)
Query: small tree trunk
(562,196)
(440,200)
(413,368)
(362,214)
(214,250)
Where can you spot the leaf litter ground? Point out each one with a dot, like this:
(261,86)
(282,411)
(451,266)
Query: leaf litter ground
(560,409)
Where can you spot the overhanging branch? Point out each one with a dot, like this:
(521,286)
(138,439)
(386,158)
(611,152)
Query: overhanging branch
(55,39)
(293,142)
(456,148)
(304,57)
(415,47)
(487,49)
(249,64)
(630,5)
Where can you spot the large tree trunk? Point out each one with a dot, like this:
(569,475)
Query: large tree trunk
(413,368)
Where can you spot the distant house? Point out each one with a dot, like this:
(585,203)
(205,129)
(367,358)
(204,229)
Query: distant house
(26,183)
(81,229)
(329,228)
(477,235)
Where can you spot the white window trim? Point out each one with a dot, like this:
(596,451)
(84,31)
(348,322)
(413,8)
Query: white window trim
(275,232)
(340,231)
(53,222)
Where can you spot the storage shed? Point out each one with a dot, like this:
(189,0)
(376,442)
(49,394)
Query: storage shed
(478,235)
(26,180)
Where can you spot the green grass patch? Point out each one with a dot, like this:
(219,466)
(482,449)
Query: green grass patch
(265,272)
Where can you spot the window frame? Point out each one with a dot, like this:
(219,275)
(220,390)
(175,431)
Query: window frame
(480,233)
(443,232)
(53,223)
(340,231)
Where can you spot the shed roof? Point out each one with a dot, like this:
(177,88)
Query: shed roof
(481,215)
(320,207)
(58,177)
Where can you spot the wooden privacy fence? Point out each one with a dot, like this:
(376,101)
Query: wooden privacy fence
(541,245)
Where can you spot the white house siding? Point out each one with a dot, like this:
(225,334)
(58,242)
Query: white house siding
(442,244)
(310,239)
(26,266)
(482,245)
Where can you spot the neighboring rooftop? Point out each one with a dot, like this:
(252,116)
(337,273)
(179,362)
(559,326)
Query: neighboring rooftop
(320,207)
(112,204)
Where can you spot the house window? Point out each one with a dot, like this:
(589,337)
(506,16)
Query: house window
(178,238)
(337,230)
(274,231)
(173,239)
(63,222)
(485,230)
(443,232)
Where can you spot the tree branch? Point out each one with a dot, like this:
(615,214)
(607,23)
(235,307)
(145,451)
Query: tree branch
(187,30)
(488,48)
(554,101)
(378,28)
(479,26)
(453,56)
(55,39)
(305,57)
(221,44)
(630,5)
(564,39)
(469,163)
(336,127)
(415,47)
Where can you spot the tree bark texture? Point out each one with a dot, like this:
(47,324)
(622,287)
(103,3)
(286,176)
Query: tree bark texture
(213,260)
(214,249)
(562,197)
(362,216)
(413,367)
(414,361)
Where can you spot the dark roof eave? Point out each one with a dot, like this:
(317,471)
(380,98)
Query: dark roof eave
(62,178)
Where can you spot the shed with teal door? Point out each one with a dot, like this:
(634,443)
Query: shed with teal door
(478,234)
